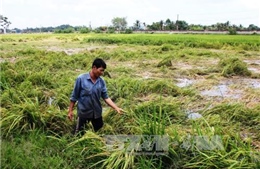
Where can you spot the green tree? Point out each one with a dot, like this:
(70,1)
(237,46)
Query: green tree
(161,24)
(110,29)
(84,30)
(196,27)
(144,24)
(154,26)
(241,27)
(4,23)
(169,25)
(119,23)
(137,25)
(252,27)
(182,25)
(227,25)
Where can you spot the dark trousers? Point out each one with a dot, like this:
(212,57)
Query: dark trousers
(81,123)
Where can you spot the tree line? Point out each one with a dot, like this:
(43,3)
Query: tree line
(120,24)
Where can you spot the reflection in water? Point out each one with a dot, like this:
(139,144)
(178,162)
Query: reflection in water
(222,91)
(184,82)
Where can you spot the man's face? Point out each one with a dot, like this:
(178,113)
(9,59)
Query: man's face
(98,71)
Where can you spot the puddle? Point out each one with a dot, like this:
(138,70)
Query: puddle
(252,83)
(192,115)
(253,65)
(255,83)
(78,50)
(255,70)
(184,82)
(73,51)
(67,51)
(184,66)
(222,91)
(145,75)
(255,62)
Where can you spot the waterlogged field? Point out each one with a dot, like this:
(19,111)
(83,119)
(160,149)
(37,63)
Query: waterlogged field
(191,101)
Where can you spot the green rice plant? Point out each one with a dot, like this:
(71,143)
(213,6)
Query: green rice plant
(242,119)
(36,150)
(36,132)
(233,66)
(152,118)
(151,122)
(236,113)
(7,39)
(30,114)
(119,159)
(61,98)
(28,90)
(10,123)
(205,147)
(41,78)
(55,121)
(170,111)
(165,62)
(148,162)
(166,47)
(125,88)
(22,117)
(4,83)
(92,148)
(10,76)
(123,71)
(10,97)
(118,124)
(163,87)
(194,41)
(30,51)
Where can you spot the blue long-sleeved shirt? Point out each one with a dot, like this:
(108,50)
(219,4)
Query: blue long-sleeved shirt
(88,95)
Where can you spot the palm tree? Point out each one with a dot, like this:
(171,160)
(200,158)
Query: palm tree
(227,25)
(137,24)
(144,25)
(161,24)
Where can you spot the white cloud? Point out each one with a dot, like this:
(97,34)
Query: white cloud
(252,4)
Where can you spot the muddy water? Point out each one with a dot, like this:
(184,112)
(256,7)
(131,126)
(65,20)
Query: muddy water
(222,90)
(184,82)
(225,88)
(254,70)
(253,65)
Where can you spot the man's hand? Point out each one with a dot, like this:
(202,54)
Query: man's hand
(119,110)
(70,115)
(114,106)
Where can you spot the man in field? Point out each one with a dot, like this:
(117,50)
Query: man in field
(88,89)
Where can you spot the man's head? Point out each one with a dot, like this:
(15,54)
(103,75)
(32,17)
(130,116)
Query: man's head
(98,67)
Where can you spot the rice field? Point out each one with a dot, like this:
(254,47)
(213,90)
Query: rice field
(198,96)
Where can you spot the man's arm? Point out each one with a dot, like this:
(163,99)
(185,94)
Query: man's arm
(113,105)
(70,114)
(74,97)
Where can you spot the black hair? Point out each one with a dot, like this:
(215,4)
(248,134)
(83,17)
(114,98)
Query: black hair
(99,63)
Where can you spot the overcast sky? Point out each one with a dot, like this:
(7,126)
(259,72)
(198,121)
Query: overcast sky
(43,13)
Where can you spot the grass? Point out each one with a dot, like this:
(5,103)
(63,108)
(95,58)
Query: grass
(37,77)
(234,66)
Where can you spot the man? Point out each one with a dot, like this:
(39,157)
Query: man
(88,89)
